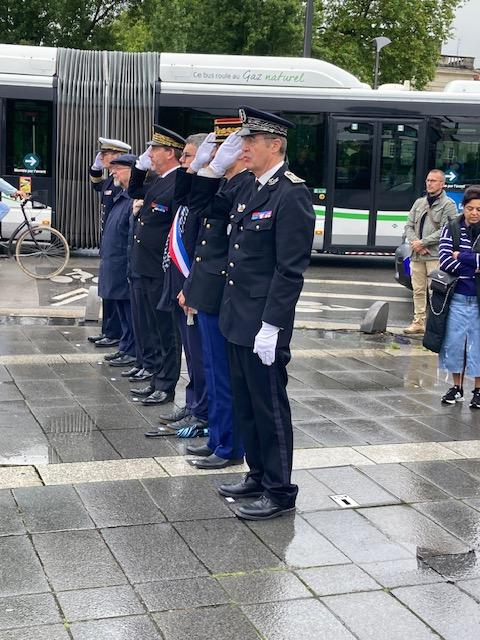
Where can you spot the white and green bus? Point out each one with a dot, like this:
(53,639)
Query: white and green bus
(363,153)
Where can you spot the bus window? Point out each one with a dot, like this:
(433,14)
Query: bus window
(29,137)
(305,142)
(455,148)
(354,156)
(398,159)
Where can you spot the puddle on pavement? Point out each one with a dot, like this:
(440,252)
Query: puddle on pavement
(452,566)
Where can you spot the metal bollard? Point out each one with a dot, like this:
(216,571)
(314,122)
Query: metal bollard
(376,318)
(93,306)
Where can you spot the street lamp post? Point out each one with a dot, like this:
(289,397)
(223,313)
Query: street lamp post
(307,40)
(380,42)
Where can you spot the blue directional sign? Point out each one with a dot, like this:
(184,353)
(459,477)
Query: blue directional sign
(31,161)
(451,176)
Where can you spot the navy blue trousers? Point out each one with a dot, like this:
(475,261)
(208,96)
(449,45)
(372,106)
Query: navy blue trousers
(144,342)
(224,435)
(196,389)
(261,406)
(111,326)
(127,341)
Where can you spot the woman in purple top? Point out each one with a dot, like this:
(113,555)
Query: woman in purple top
(460,352)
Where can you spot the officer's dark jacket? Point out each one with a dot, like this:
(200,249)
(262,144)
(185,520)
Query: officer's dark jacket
(152,223)
(108,191)
(174,279)
(269,249)
(203,289)
(112,281)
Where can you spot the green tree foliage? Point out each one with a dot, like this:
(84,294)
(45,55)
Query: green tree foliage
(345,29)
(84,24)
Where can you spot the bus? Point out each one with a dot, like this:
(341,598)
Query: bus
(364,153)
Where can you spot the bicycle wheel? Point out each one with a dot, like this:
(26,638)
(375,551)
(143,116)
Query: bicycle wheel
(41,256)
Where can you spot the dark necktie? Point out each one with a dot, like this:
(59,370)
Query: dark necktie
(256,188)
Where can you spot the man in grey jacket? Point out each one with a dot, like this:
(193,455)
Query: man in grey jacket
(425,221)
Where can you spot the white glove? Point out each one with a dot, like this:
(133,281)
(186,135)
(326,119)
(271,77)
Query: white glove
(228,153)
(97,163)
(204,153)
(266,342)
(144,162)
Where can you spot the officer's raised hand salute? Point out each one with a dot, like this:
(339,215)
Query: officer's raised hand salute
(269,248)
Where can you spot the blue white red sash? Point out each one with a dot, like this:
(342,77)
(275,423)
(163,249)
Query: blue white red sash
(176,246)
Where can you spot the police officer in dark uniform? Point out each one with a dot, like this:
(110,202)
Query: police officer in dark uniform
(150,235)
(109,149)
(269,249)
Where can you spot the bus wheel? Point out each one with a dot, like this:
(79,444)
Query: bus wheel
(42,252)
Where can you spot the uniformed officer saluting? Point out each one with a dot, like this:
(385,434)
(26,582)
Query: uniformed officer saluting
(269,249)
(150,235)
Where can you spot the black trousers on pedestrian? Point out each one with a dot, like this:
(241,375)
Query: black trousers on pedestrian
(145,348)
(111,326)
(165,335)
(262,409)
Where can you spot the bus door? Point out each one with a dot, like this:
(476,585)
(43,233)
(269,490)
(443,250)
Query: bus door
(374,177)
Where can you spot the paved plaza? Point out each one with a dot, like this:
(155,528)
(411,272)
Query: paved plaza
(105,534)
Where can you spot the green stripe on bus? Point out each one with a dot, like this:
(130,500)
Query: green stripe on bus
(392,217)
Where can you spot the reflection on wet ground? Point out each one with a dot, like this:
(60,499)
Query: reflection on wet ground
(155,557)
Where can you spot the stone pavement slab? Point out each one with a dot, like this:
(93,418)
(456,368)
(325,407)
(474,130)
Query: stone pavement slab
(341,578)
(215,623)
(188,593)
(104,602)
(19,611)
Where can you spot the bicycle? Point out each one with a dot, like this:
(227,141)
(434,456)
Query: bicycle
(40,250)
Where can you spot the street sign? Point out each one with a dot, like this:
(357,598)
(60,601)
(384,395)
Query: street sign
(31,161)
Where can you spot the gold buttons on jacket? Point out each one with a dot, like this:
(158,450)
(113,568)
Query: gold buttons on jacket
(208,225)
(231,264)
(240,228)
(198,259)
(232,215)
(257,227)
(204,242)
(231,283)
(236,246)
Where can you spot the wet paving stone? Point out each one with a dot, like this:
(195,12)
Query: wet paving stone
(20,570)
(129,628)
(266,586)
(330,408)
(377,616)
(106,602)
(214,623)
(77,560)
(50,632)
(312,494)
(455,567)
(297,543)
(19,611)
(371,431)
(32,372)
(51,509)
(456,517)
(472,587)
(182,594)
(118,504)
(187,498)
(471,467)
(131,443)
(451,428)
(341,578)
(329,434)
(412,430)
(400,573)
(299,619)
(403,483)
(356,537)
(82,446)
(9,391)
(350,481)
(11,520)
(410,528)
(153,552)
(90,390)
(23,446)
(244,551)
(301,440)
(445,608)
(74,371)
(318,381)
(405,405)
(120,416)
(448,477)
(5,375)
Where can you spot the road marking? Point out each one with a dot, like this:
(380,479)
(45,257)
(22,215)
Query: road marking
(70,296)
(363,283)
(62,296)
(350,296)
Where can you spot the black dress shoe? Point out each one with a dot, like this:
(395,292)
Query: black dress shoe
(122,361)
(96,338)
(143,391)
(141,375)
(177,415)
(131,372)
(107,342)
(113,356)
(159,397)
(215,462)
(262,509)
(156,432)
(247,488)
(200,450)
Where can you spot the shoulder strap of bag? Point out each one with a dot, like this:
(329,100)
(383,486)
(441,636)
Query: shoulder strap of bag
(454,228)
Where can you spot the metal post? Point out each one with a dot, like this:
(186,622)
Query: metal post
(377,64)
(380,42)
(307,41)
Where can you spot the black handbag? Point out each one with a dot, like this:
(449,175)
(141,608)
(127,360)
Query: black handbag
(441,281)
